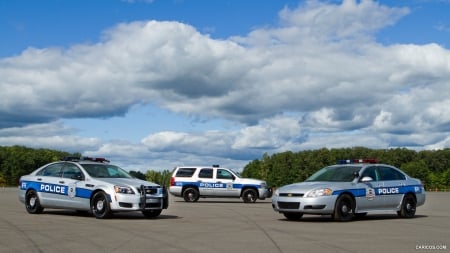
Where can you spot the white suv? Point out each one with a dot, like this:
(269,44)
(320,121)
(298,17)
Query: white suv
(193,182)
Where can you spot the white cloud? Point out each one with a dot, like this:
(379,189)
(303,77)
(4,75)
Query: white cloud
(320,79)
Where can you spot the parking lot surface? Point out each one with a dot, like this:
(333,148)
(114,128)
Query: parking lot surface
(221,225)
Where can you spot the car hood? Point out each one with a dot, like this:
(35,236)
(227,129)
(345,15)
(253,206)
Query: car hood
(307,186)
(251,181)
(127,182)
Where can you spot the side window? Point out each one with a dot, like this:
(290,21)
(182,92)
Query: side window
(53,170)
(389,174)
(370,172)
(185,172)
(205,173)
(224,174)
(71,171)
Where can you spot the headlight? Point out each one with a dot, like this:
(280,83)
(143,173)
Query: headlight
(319,193)
(123,189)
(263,185)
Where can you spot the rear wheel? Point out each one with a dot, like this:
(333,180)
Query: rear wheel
(408,208)
(100,206)
(344,208)
(293,216)
(249,196)
(32,203)
(191,195)
(151,213)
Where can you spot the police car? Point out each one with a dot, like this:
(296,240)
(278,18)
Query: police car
(90,184)
(193,182)
(352,188)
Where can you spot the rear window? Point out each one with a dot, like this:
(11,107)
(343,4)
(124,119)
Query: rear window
(185,172)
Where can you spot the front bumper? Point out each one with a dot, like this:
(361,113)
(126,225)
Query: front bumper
(148,199)
(317,205)
(265,193)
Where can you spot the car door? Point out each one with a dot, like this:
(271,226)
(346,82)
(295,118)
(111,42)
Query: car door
(391,183)
(52,192)
(370,200)
(206,182)
(224,181)
(73,179)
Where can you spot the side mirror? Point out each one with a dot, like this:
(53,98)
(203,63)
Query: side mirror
(366,179)
(77,177)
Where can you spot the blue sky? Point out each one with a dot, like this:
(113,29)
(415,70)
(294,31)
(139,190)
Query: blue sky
(156,84)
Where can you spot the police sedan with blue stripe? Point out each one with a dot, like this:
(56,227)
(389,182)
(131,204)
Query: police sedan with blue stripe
(354,188)
(90,184)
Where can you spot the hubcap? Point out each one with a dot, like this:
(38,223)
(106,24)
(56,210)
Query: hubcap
(345,209)
(99,205)
(32,201)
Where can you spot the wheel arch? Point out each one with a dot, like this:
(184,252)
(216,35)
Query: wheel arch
(108,196)
(249,187)
(189,186)
(349,193)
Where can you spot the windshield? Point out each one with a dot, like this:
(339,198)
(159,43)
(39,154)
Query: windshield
(236,173)
(335,174)
(105,171)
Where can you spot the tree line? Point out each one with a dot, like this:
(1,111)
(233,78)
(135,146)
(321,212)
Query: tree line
(431,166)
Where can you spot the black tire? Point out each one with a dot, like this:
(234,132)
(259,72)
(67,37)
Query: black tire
(344,209)
(293,216)
(408,208)
(191,194)
(100,206)
(151,213)
(249,196)
(32,203)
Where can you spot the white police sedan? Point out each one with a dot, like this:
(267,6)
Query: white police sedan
(354,188)
(90,184)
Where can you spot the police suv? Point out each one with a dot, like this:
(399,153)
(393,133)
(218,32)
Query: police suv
(352,188)
(90,184)
(193,182)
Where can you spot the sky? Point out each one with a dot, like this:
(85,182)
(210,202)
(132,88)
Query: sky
(154,84)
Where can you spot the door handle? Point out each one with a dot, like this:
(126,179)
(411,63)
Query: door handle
(39,179)
(61,182)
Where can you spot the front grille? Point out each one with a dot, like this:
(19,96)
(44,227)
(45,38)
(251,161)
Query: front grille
(148,190)
(291,195)
(288,205)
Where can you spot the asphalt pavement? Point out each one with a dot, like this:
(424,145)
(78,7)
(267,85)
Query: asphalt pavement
(221,225)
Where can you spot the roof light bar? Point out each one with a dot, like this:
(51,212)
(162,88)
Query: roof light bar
(350,161)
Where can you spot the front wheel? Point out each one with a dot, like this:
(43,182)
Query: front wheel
(100,206)
(151,213)
(32,203)
(408,208)
(344,208)
(249,196)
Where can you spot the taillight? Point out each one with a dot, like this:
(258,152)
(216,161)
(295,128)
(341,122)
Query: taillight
(172,181)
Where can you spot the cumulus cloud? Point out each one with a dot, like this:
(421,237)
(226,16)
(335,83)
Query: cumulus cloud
(319,79)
